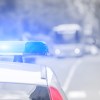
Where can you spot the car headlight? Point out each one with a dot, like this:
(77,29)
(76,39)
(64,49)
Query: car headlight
(57,51)
(77,51)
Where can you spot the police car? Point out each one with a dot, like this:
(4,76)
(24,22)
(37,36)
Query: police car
(20,80)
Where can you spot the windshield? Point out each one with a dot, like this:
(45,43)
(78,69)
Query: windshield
(65,37)
(13,91)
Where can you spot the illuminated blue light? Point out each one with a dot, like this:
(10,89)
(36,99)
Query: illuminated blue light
(22,48)
(36,48)
(4,47)
(11,47)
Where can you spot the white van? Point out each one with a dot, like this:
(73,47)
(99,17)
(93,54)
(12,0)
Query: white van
(67,39)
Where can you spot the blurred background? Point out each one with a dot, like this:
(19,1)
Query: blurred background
(40,16)
(74,49)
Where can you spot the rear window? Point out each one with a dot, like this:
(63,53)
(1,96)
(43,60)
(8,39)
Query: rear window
(13,91)
(40,93)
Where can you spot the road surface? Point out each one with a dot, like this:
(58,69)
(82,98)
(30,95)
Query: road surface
(79,77)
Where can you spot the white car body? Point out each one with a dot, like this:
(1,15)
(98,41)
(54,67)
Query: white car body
(18,81)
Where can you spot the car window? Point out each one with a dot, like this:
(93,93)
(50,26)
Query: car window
(14,91)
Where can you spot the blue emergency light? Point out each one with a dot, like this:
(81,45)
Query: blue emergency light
(18,49)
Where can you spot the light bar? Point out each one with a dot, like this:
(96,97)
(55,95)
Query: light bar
(23,48)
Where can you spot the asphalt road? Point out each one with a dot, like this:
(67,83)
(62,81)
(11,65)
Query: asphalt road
(85,82)
(79,77)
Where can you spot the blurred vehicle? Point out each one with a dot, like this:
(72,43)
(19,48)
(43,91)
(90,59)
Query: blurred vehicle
(91,49)
(90,46)
(67,40)
(27,81)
